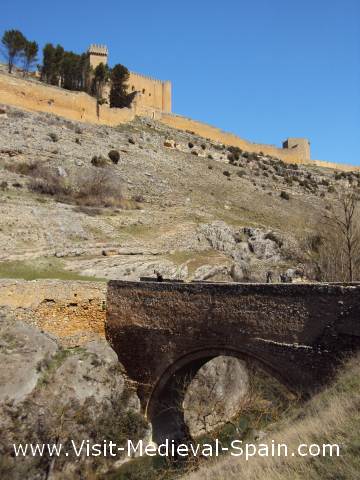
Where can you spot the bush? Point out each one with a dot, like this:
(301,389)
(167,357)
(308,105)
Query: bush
(210,157)
(54,137)
(22,168)
(132,141)
(98,161)
(194,152)
(285,195)
(203,146)
(99,189)
(236,152)
(114,156)
(226,173)
(190,145)
(4,186)
(95,188)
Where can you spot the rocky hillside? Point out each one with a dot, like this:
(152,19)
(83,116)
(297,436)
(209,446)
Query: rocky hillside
(101,202)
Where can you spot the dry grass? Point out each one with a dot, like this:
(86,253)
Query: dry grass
(331,417)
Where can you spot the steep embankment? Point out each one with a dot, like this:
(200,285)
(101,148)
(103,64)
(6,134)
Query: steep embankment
(331,417)
(168,201)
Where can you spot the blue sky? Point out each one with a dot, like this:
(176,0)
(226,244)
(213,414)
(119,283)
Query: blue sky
(263,69)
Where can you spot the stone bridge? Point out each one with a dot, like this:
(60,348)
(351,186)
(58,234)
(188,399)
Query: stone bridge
(163,332)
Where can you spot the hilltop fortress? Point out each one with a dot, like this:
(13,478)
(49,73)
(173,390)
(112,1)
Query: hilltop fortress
(152,95)
(152,99)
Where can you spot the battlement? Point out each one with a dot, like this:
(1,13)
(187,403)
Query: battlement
(96,49)
(147,77)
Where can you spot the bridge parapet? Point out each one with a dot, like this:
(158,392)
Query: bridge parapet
(164,330)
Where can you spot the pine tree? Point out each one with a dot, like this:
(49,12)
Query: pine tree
(119,97)
(101,76)
(30,54)
(14,43)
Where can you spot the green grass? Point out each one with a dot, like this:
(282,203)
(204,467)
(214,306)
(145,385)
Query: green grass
(41,269)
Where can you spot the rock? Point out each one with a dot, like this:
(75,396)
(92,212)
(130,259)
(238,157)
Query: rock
(3,113)
(206,272)
(51,394)
(263,248)
(170,143)
(61,172)
(237,273)
(215,394)
(22,349)
(219,235)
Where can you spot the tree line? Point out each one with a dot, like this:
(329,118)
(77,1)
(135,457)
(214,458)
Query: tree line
(67,69)
(16,46)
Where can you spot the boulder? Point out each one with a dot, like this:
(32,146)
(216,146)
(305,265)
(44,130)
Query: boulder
(215,394)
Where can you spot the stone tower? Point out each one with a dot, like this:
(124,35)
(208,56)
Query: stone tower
(300,146)
(97,54)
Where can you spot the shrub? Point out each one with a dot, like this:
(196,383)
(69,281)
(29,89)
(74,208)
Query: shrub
(114,156)
(274,238)
(54,137)
(331,189)
(241,173)
(226,173)
(203,146)
(194,152)
(95,188)
(22,168)
(210,167)
(132,141)
(138,198)
(285,195)
(77,140)
(236,151)
(4,186)
(190,145)
(98,161)
(78,130)
(210,157)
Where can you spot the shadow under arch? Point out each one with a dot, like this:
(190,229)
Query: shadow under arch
(165,406)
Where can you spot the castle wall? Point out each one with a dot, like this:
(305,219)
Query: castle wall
(40,97)
(153,93)
(78,106)
(336,166)
(217,135)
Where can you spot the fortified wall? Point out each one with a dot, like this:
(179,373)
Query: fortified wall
(78,106)
(30,94)
(299,154)
(152,94)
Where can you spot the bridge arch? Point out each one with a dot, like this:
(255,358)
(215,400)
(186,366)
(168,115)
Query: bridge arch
(164,408)
(165,331)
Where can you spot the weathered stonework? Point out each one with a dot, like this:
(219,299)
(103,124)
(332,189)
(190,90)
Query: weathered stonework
(73,311)
(165,331)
